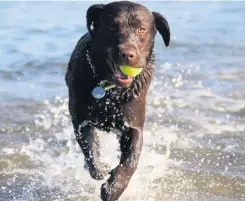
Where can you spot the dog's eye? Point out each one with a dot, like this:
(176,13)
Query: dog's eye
(112,27)
(141,30)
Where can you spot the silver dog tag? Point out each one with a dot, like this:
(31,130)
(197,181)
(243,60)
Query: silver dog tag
(98,92)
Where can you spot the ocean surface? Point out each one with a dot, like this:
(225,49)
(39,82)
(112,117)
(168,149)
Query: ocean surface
(195,124)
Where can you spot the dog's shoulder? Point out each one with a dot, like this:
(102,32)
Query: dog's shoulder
(77,56)
(80,48)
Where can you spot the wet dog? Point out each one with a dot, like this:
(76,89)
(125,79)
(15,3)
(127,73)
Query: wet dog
(119,33)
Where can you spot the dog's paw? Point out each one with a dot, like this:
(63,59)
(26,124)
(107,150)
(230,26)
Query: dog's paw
(114,187)
(110,191)
(97,172)
(105,192)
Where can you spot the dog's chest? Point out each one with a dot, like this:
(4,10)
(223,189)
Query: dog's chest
(106,115)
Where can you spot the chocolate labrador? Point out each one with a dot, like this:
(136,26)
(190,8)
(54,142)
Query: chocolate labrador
(119,33)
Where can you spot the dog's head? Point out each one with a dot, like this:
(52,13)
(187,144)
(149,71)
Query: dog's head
(123,34)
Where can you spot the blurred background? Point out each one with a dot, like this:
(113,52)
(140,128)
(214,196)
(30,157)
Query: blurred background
(194,131)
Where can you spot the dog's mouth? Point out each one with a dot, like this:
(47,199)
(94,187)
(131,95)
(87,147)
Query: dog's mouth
(118,78)
(122,80)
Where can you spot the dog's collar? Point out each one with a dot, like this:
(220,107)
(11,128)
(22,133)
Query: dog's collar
(102,82)
(99,91)
(88,57)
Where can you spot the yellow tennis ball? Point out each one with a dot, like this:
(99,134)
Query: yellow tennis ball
(130,71)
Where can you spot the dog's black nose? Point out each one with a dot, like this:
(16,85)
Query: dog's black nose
(129,54)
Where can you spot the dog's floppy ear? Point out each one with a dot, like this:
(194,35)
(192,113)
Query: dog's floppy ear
(92,16)
(162,26)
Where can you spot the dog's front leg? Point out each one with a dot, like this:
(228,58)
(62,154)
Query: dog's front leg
(88,141)
(131,146)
